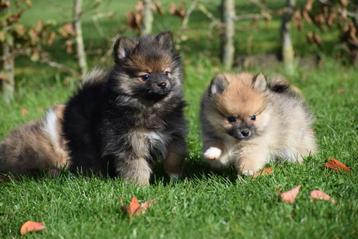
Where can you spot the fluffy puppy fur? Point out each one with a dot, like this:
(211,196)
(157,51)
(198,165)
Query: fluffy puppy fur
(122,120)
(248,121)
(36,146)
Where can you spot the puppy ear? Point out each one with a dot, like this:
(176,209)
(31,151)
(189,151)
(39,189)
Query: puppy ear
(165,40)
(259,82)
(218,85)
(122,47)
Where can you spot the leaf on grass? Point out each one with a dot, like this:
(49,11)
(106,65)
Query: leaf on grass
(263,172)
(31,226)
(290,196)
(336,165)
(319,195)
(24,111)
(135,208)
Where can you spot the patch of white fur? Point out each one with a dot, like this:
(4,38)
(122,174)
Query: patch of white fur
(212,153)
(248,172)
(142,141)
(157,140)
(50,126)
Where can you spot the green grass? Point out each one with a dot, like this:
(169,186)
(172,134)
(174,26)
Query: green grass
(204,204)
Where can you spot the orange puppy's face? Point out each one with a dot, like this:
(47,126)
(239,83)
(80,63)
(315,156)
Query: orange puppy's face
(239,106)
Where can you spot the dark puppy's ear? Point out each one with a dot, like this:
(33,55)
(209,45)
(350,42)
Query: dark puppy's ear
(218,85)
(259,82)
(165,40)
(122,47)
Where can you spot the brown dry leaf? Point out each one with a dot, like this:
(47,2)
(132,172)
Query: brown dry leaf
(308,5)
(51,38)
(336,165)
(319,195)
(39,26)
(31,226)
(158,8)
(69,46)
(178,11)
(135,208)
(263,172)
(139,6)
(134,20)
(20,29)
(290,196)
(34,36)
(24,111)
(2,77)
(67,30)
(28,3)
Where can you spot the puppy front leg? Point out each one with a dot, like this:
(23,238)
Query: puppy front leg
(213,150)
(135,170)
(251,160)
(174,160)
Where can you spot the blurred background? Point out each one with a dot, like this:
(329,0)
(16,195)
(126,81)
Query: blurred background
(47,46)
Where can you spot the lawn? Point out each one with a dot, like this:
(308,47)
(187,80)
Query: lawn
(204,204)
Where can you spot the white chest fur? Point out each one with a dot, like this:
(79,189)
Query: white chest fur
(143,142)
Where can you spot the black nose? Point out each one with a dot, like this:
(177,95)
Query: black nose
(162,84)
(245,133)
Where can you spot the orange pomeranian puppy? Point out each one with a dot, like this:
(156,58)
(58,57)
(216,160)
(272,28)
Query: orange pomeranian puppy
(247,122)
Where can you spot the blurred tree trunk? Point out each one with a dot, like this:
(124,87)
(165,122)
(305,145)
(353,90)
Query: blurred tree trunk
(287,50)
(227,38)
(81,54)
(147,17)
(8,73)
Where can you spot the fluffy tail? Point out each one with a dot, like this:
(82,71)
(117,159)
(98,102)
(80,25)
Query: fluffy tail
(279,84)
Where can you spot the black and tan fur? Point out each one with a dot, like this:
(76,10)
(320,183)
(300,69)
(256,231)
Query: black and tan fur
(128,117)
(248,121)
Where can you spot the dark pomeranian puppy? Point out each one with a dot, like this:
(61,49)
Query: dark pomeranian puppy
(248,121)
(118,122)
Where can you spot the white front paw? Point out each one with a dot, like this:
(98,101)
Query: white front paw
(248,172)
(212,153)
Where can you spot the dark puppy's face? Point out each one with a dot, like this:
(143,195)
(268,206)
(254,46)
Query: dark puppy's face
(147,67)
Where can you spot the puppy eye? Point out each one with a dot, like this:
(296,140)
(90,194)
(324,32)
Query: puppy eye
(253,117)
(145,76)
(167,72)
(231,119)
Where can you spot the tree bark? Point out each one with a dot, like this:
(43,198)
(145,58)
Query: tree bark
(81,53)
(287,50)
(147,17)
(8,73)
(227,38)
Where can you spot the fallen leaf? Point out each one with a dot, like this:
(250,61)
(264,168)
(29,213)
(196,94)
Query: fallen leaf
(290,196)
(319,195)
(336,165)
(263,172)
(24,112)
(31,226)
(135,208)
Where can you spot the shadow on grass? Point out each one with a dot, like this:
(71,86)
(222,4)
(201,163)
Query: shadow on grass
(194,169)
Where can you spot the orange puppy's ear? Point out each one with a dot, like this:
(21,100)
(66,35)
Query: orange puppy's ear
(259,82)
(218,85)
